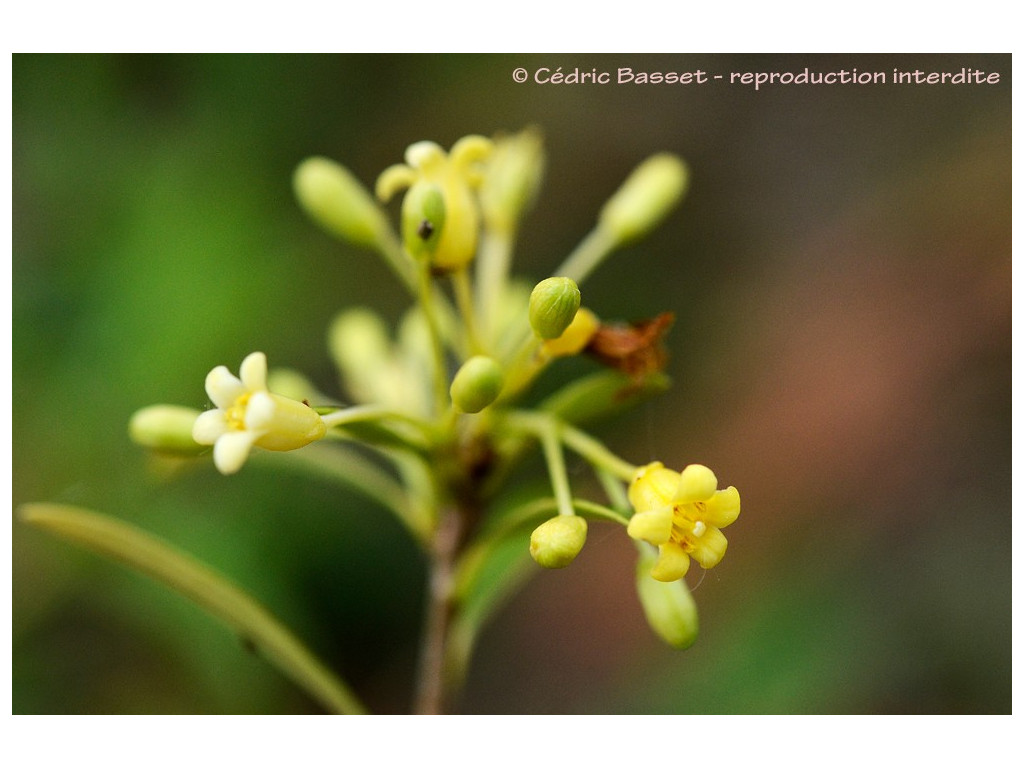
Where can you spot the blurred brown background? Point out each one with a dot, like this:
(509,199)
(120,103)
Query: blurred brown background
(840,274)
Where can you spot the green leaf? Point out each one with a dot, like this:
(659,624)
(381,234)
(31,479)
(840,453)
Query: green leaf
(204,586)
(600,395)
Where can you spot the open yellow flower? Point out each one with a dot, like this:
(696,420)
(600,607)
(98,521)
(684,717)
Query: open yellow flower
(440,214)
(248,415)
(682,513)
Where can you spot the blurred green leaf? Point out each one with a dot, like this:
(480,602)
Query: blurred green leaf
(210,590)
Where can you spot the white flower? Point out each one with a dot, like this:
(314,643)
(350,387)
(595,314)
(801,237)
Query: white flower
(247,414)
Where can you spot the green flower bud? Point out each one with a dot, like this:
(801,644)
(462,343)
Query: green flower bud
(338,202)
(556,543)
(166,428)
(651,191)
(423,217)
(477,384)
(668,605)
(553,305)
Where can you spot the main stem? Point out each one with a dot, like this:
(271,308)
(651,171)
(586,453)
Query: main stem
(433,690)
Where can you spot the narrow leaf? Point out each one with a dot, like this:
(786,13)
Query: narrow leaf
(204,586)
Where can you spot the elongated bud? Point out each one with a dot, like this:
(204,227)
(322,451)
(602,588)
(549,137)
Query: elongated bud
(553,305)
(166,428)
(477,384)
(645,198)
(358,341)
(555,543)
(361,348)
(668,605)
(512,178)
(423,219)
(338,202)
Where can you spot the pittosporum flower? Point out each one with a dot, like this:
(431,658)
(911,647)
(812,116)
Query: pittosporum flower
(440,215)
(247,414)
(681,513)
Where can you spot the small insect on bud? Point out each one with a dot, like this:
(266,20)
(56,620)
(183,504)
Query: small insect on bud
(166,428)
(553,305)
(338,202)
(477,384)
(556,543)
(423,216)
(645,198)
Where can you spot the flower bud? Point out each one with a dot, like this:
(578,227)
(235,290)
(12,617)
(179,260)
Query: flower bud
(668,605)
(358,342)
(645,198)
(572,341)
(165,428)
(338,202)
(512,178)
(423,219)
(477,384)
(553,305)
(556,543)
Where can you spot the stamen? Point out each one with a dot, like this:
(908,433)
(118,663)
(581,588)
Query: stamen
(698,528)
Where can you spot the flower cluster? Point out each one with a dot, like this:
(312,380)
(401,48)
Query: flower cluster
(446,401)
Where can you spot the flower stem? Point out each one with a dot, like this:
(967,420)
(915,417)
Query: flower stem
(464,299)
(596,453)
(426,297)
(591,251)
(491,279)
(552,447)
(435,683)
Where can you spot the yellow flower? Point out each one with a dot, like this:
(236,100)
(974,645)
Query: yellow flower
(681,513)
(440,216)
(248,415)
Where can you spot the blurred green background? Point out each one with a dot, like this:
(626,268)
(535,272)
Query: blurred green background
(840,274)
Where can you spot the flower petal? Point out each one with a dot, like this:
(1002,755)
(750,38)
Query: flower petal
(696,483)
(653,487)
(232,449)
(223,387)
(722,508)
(469,150)
(253,372)
(259,411)
(209,426)
(654,525)
(673,563)
(394,178)
(424,155)
(709,548)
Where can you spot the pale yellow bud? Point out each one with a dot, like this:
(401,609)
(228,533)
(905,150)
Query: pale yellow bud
(668,605)
(338,202)
(653,189)
(555,543)
(358,341)
(477,384)
(513,175)
(165,428)
(553,305)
